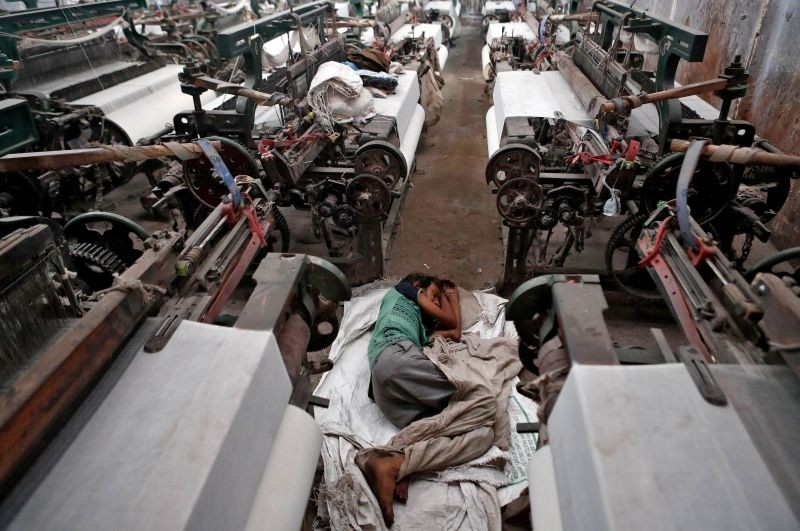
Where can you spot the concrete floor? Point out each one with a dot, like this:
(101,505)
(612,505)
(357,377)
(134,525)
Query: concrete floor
(449,224)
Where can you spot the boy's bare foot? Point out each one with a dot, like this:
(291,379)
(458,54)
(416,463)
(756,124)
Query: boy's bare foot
(381,473)
(401,490)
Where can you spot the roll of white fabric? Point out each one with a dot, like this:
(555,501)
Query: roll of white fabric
(143,105)
(486,63)
(408,145)
(281,499)
(492,139)
(443,54)
(230,10)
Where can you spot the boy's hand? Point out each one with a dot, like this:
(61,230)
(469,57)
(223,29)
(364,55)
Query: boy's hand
(445,284)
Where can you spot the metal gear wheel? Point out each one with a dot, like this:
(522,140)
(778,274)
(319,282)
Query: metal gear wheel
(95,264)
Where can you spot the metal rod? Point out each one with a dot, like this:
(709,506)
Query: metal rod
(579,17)
(693,89)
(740,155)
(233,276)
(210,83)
(532,22)
(293,343)
(52,160)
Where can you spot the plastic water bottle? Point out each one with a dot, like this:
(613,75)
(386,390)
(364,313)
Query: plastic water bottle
(612,205)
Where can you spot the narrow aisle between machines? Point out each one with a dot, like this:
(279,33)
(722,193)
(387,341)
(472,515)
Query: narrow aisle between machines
(449,221)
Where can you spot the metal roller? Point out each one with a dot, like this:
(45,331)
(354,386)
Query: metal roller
(512,161)
(200,177)
(369,196)
(383,160)
(519,200)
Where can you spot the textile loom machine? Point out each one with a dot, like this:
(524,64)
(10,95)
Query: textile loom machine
(107,393)
(509,46)
(498,11)
(529,44)
(195,25)
(74,76)
(417,45)
(347,175)
(594,145)
(447,13)
(696,431)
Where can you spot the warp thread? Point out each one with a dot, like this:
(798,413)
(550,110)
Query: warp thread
(31,312)
(118,22)
(339,500)
(324,115)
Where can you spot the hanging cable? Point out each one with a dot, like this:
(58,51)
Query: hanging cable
(688,168)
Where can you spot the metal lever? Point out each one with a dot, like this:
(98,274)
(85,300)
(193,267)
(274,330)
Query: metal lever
(701,375)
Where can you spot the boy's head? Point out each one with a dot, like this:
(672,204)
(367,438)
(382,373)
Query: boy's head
(429,286)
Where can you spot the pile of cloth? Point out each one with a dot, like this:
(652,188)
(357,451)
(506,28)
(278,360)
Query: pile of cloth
(369,59)
(381,80)
(431,83)
(375,69)
(478,421)
(337,95)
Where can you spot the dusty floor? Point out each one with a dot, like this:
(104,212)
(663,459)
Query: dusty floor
(449,224)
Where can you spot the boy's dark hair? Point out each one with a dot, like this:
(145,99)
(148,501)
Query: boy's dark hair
(423,280)
(426,280)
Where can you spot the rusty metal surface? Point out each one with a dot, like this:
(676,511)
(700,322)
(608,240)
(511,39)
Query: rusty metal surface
(781,322)
(580,307)
(731,25)
(293,342)
(772,102)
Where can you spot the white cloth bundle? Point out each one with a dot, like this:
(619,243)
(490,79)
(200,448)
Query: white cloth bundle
(230,10)
(337,95)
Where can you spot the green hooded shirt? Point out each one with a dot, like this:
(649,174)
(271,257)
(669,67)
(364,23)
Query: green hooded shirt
(399,319)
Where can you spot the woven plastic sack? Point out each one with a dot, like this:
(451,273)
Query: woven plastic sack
(337,95)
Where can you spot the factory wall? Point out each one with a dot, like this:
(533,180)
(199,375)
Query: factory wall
(767,35)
